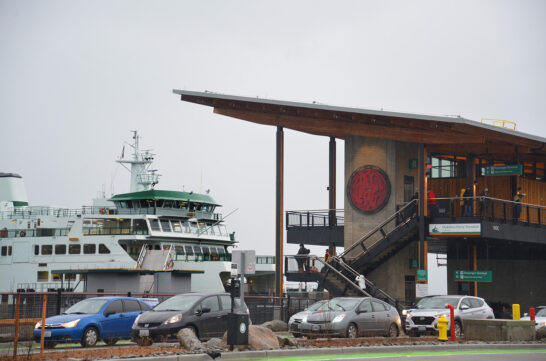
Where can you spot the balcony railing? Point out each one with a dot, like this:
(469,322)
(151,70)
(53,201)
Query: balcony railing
(315,218)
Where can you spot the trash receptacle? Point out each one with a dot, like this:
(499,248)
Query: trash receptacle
(237,330)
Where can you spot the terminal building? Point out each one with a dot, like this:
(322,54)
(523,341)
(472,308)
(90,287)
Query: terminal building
(474,192)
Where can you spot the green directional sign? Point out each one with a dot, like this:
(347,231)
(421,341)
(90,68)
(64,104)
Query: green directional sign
(480,276)
(514,169)
(413,263)
(421,275)
(413,163)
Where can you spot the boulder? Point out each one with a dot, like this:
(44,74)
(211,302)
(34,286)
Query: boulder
(287,341)
(189,341)
(276,325)
(215,344)
(259,338)
(541,333)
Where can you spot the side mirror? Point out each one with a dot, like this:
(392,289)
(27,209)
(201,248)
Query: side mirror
(205,310)
(108,313)
(361,311)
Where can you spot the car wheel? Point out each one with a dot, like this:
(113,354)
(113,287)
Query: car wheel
(144,341)
(111,341)
(352,331)
(90,337)
(393,331)
(49,344)
(458,329)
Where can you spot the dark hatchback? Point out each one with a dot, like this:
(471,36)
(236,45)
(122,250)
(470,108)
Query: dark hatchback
(205,313)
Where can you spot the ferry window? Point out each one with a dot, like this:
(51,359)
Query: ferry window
(213,250)
(74,249)
(179,249)
(165,225)
(197,250)
(139,225)
(70,277)
(4,250)
(55,276)
(154,224)
(206,250)
(189,250)
(220,250)
(168,204)
(60,249)
(176,226)
(9,250)
(47,249)
(43,276)
(89,248)
(182,204)
(36,250)
(103,249)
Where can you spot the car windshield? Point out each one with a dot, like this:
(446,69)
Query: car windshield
(341,304)
(541,313)
(437,302)
(178,303)
(315,306)
(86,306)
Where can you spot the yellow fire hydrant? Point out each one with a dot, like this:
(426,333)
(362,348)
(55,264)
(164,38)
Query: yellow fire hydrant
(442,328)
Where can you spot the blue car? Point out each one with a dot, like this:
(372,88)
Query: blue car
(91,320)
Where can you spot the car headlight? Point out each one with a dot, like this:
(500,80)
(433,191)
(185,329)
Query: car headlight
(304,319)
(409,315)
(446,315)
(70,324)
(38,325)
(136,319)
(404,312)
(339,318)
(173,319)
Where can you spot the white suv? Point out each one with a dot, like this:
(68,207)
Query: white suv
(424,317)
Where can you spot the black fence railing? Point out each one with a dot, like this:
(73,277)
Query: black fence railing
(317,218)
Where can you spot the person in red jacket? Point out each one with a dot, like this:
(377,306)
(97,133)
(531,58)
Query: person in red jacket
(431,203)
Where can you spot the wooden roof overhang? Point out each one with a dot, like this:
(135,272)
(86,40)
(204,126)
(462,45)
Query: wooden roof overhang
(443,135)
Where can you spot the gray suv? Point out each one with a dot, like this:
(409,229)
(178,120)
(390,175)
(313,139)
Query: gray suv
(424,317)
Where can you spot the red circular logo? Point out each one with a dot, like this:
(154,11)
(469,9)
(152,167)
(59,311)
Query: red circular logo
(369,189)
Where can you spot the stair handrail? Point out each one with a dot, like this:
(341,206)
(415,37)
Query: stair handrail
(369,283)
(380,226)
(332,268)
(169,256)
(141,256)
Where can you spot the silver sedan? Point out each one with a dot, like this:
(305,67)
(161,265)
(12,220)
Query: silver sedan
(353,317)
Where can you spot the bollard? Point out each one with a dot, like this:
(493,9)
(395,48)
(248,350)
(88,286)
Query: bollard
(515,312)
(442,328)
(452,321)
(532,313)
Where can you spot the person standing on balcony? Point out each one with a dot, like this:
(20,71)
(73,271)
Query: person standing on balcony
(461,202)
(431,203)
(467,207)
(484,202)
(302,258)
(327,256)
(517,205)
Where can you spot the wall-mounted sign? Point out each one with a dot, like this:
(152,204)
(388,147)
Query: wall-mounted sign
(455,229)
(421,275)
(421,290)
(368,189)
(413,263)
(479,276)
(513,169)
(413,163)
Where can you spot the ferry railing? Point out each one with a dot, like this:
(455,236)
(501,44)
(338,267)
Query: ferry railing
(141,255)
(315,218)
(33,232)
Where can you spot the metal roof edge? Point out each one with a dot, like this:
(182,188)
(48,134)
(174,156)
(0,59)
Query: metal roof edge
(459,120)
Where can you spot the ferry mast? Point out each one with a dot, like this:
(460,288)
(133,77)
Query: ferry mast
(142,178)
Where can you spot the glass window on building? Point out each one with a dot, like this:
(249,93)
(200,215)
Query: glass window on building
(47,249)
(103,249)
(89,248)
(60,249)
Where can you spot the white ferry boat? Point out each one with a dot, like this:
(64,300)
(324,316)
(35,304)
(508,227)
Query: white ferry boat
(144,229)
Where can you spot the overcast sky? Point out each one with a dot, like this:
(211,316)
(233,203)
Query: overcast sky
(77,76)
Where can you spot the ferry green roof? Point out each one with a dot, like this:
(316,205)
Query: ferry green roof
(165,195)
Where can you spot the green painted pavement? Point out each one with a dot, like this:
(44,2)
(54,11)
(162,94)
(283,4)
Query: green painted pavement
(370,355)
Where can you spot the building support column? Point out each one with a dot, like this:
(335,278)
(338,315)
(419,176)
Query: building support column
(279,239)
(422,193)
(332,190)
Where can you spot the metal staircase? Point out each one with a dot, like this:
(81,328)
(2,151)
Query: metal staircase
(160,259)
